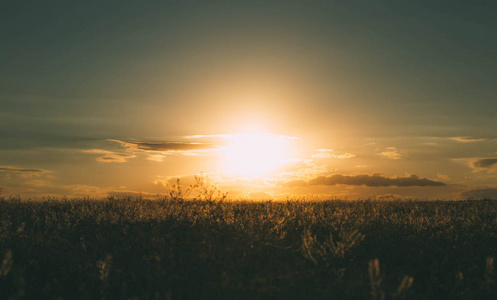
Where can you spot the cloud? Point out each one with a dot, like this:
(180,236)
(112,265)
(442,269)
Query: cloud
(21,170)
(156,151)
(467,139)
(97,151)
(483,162)
(443,177)
(156,157)
(109,155)
(115,157)
(164,146)
(375,180)
(480,164)
(328,153)
(488,193)
(38,183)
(392,153)
(304,169)
(231,136)
(9,171)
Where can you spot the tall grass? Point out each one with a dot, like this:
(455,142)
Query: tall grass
(218,249)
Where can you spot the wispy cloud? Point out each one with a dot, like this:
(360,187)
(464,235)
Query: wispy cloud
(156,157)
(467,139)
(97,151)
(115,157)
(23,172)
(375,180)
(38,183)
(392,153)
(329,153)
(480,164)
(231,136)
(484,162)
(166,148)
(443,177)
(163,146)
(110,156)
(304,169)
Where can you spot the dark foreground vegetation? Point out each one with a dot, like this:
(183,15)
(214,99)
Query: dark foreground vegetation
(176,249)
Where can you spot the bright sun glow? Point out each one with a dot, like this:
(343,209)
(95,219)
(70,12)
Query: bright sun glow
(252,155)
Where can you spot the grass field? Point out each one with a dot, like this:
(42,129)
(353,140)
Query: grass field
(198,249)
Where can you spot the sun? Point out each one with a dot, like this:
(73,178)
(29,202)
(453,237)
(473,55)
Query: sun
(253,155)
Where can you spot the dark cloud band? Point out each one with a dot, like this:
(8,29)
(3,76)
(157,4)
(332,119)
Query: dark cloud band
(21,170)
(484,162)
(164,146)
(375,180)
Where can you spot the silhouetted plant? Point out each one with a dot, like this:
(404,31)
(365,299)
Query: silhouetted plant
(375,280)
(206,190)
(7,263)
(176,193)
(331,248)
(214,249)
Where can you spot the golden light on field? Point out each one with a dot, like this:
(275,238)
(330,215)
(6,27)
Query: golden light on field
(251,155)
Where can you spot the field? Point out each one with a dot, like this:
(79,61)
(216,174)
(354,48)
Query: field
(205,249)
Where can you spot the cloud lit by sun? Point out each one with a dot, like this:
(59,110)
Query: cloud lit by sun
(173,89)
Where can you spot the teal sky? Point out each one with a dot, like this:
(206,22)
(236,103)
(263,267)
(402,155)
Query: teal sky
(100,97)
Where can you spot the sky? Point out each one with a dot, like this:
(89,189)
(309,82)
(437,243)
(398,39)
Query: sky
(266,99)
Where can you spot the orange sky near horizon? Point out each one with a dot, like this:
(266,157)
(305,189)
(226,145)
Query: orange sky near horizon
(268,99)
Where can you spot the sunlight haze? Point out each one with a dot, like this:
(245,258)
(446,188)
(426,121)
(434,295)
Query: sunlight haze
(274,99)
